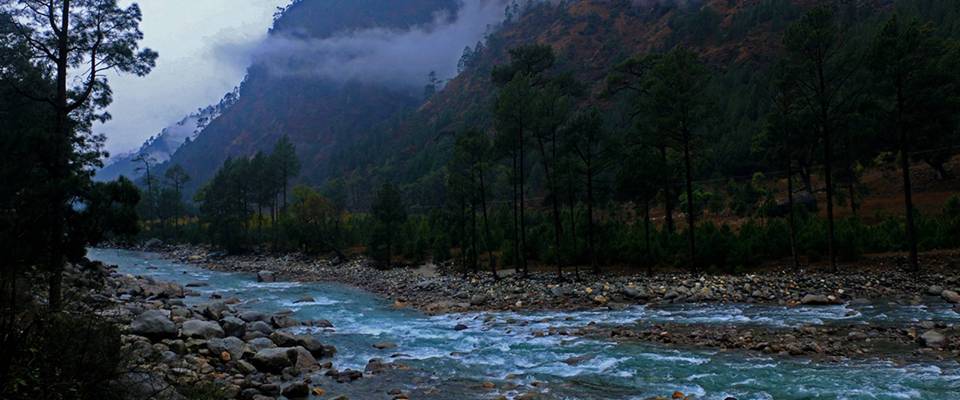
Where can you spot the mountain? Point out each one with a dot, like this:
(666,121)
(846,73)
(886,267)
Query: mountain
(319,114)
(161,147)
(365,131)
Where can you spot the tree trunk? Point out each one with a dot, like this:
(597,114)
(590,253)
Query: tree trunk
(792,223)
(691,218)
(591,240)
(523,222)
(907,187)
(557,227)
(828,180)
(648,259)
(58,165)
(486,226)
(667,194)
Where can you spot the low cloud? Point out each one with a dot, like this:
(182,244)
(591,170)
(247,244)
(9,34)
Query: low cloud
(384,56)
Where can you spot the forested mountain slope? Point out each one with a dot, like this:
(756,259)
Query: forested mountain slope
(365,133)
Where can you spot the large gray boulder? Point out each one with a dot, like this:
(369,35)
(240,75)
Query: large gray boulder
(230,344)
(196,328)
(154,324)
(275,359)
(233,326)
(261,343)
(214,310)
(950,296)
(816,300)
(932,338)
(313,345)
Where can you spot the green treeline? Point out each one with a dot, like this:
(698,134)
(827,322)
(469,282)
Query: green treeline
(555,182)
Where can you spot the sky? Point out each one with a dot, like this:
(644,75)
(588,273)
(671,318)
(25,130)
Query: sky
(191,73)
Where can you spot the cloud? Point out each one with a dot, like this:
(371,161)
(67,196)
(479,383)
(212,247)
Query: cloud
(379,55)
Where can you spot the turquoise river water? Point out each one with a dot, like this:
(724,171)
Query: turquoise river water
(501,347)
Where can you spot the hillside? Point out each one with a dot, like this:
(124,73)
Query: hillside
(366,132)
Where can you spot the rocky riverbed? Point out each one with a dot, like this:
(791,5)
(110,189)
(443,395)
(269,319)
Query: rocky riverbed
(210,343)
(495,349)
(438,294)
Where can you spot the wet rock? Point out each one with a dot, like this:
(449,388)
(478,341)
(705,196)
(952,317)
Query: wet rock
(214,310)
(233,326)
(252,316)
(153,244)
(231,345)
(479,300)
(578,359)
(375,366)
(196,328)
(266,276)
(313,345)
(283,339)
(815,300)
(305,299)
(296,390)
(932,338)
(384,345)
(349,376)
(950,296)
(634,293)
(154,324)
(259,326)
(275,359)
(283,321)
(460,327)
(935,290)
(261,343)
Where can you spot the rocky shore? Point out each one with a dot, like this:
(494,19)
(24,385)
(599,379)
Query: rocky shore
(438,294)
(924,341)
(212,346)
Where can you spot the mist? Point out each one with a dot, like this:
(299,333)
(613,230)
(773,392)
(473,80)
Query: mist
(383,56)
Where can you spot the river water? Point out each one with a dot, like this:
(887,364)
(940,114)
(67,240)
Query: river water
(502,347)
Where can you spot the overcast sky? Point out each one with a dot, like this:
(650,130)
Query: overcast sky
(189,72)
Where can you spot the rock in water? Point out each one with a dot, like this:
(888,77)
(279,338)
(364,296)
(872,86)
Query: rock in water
(154,324)
(950,296)
(266,276)
(196,328)
(932,338)
(815,300)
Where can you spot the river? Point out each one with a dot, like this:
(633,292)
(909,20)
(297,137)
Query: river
(502,347)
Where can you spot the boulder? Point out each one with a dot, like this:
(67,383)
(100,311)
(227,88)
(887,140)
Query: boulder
(214,310)
(154,324)
(479,300)
(935,290)
(196,328)
(259,326)
(283,321)
(283,339)
(384,345)
(375,366)
(460,327)
(230,344)
(634,293)
(261,343)
(296,390)
(305,299)
(313,345)
(304,360)
(275,359)
(233,326)
(251,316)
(815,300)
(950,296)
(153,244)
(932,338)
(266,276)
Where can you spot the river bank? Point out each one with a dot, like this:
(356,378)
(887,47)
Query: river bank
(437,294)
(920,339)
(529,354)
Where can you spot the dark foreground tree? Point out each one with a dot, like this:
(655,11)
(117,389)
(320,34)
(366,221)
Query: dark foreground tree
(77,40)
(390,213)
